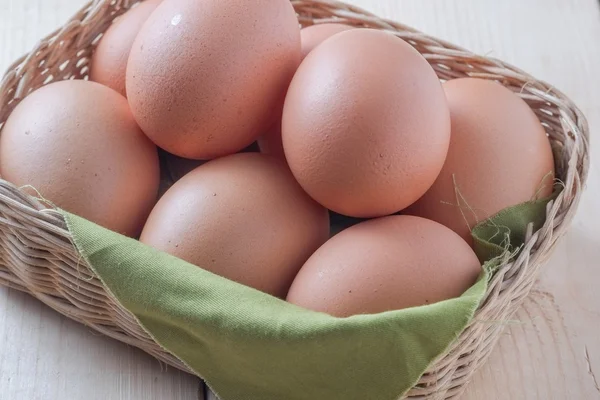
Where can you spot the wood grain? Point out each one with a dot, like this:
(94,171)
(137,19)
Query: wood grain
(551,348)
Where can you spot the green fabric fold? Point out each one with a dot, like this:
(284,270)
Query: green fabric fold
(248,345)
(506,231)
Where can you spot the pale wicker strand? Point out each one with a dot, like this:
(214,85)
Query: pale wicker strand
(37,255)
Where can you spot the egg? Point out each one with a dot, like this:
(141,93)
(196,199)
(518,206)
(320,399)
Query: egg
(499,156)
(385,264)
(365,126)
(76,144)
(310,37)
(243,217)
(109,61)
(203,78)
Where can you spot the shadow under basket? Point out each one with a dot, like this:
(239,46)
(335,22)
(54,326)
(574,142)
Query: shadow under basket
(37,254)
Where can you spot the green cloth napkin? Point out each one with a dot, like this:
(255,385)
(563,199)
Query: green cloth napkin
(248,345)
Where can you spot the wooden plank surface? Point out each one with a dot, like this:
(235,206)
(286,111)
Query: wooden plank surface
(550,351)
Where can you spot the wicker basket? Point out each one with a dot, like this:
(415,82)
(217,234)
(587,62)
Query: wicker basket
(38,257)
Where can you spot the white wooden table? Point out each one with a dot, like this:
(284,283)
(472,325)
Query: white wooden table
(551,351)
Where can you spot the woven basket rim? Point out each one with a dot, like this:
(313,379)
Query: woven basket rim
(38,255)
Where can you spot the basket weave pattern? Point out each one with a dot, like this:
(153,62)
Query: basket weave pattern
(37,255)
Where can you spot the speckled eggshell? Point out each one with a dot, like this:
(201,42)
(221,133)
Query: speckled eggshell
(385,264)
(243,217)
(499,156)
(310,37)
(365,124)
(78,145)
(109,61)
(204,77)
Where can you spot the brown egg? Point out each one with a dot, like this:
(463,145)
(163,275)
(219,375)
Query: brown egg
(365,124)
(243,217)
(77,143)
(314,35)
(385,264)
(109,60)
(203,78)
(499,156)
(310,37)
